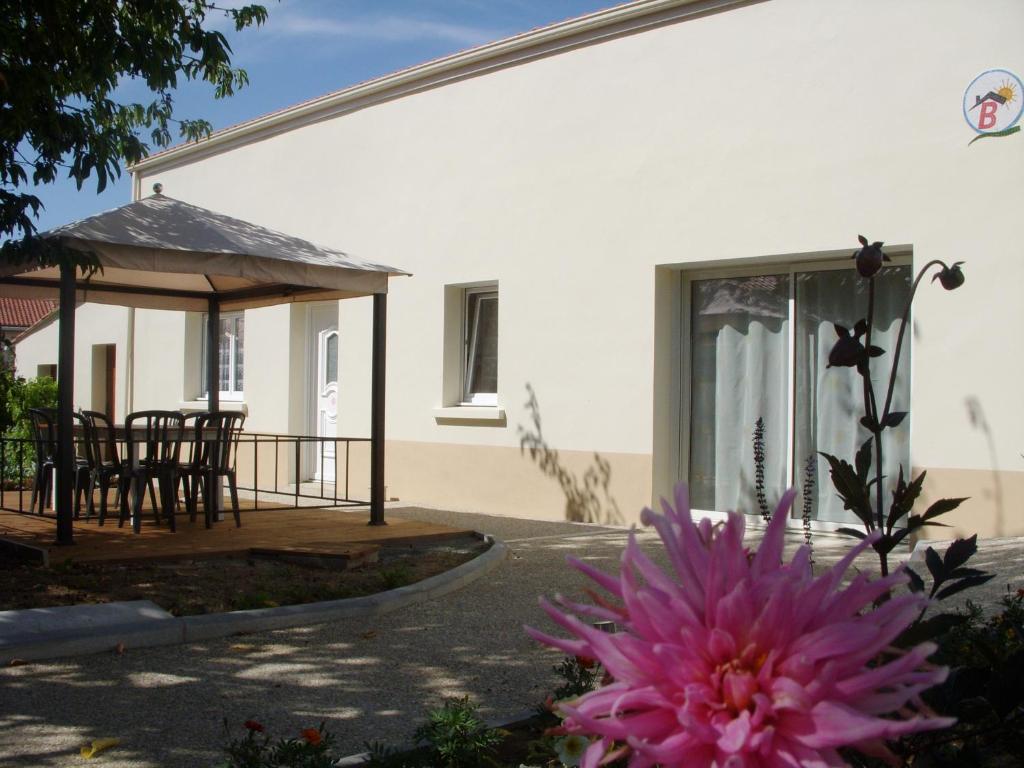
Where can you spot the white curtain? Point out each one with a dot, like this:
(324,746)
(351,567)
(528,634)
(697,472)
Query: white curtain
(830,401)
(739,373)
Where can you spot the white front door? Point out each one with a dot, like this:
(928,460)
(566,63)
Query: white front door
(325,391)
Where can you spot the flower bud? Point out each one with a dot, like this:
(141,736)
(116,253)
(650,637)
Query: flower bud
(951,277)
(869,258)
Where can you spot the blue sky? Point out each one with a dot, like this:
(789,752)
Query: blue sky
(311,47)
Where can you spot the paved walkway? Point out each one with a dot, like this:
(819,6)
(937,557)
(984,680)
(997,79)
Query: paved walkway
(369,678)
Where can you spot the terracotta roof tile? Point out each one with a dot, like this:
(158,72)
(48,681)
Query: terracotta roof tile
(22,313)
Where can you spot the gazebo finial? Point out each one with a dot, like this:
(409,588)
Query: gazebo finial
(158,188)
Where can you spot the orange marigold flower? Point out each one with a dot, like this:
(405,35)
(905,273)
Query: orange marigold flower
(312,736)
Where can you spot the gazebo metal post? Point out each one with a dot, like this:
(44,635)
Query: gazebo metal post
(380,319)
(213,355)
(65,398)
(213,390)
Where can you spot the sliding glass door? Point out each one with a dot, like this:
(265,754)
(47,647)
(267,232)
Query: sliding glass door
(757,348)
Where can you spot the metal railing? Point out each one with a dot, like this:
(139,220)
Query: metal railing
(285,470)
(301,451)
(17,471)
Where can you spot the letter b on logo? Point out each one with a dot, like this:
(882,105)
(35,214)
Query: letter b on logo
(987,118)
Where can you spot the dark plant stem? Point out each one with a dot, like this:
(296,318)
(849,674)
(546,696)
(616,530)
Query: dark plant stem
(871,411)
(903,327)
(879,419)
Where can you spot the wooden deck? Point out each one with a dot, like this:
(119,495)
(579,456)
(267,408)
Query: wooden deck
(329,532)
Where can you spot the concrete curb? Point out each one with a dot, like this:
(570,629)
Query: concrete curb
(186,629)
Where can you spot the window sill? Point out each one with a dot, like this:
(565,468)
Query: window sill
(471,415)
(203,405)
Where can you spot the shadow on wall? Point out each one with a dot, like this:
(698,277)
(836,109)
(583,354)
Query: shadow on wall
(976,414)
(587,500)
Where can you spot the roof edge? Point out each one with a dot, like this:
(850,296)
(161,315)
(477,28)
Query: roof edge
(38,325)
(402,79)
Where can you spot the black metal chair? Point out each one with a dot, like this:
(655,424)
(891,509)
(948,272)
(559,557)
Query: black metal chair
(83,472)
(217,442)
(192,441)
(44,435)
(154,438)
(104,462)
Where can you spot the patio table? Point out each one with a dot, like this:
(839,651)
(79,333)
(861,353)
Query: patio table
(132,451)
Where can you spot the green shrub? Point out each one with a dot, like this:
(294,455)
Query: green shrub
(313,749)
(457,737)
(395,576)
(17,396)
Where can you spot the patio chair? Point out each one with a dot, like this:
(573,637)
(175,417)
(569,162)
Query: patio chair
(104,462)
(217,437)
(82,470)
(44,435)
(192,441)
(154,437)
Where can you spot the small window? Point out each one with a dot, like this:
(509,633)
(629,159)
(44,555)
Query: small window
(330,372)
(480,362)
(231,372)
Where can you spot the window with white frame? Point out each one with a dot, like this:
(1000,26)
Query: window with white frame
(480,343)
(231,371)
(758,346)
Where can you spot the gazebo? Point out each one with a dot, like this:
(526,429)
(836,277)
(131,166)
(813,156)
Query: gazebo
(162,253)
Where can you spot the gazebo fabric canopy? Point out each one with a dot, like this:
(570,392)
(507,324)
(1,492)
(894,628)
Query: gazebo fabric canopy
(162,253)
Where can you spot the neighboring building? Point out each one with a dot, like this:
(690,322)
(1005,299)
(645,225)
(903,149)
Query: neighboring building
(16,316)
(644,217)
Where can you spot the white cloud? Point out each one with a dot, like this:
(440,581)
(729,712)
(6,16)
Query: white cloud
(391,29)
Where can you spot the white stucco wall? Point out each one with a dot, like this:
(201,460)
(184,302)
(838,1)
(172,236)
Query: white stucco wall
(776,128)
(96,324)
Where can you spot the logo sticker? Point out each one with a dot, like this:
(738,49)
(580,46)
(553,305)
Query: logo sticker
(993,103)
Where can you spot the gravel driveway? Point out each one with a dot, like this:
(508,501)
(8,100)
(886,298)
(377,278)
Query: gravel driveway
(368,678)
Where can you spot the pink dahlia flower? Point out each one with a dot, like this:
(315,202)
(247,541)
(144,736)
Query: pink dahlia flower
(738,660)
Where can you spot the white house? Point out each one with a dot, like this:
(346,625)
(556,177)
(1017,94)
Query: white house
(644,217)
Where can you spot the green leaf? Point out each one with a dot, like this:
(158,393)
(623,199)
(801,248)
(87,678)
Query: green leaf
(903,497)
(960,573)
(959,552)
(852,532)
(916,582)
(62,60)
(934,563)
(862,461)
(929,629)
(850,489)
(962,584)
(941,507)
(894,419)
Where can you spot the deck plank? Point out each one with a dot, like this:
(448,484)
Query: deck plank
(328,531)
